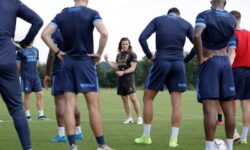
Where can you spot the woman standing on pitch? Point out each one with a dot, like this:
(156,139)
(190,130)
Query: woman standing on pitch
(126,61)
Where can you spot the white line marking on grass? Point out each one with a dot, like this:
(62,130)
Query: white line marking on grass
(167,117)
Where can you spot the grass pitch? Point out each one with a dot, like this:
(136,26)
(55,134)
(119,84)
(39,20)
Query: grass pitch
(117,135)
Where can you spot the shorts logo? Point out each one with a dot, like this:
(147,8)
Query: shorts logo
(181,85)
(232,88)
(87,85)
(26,89)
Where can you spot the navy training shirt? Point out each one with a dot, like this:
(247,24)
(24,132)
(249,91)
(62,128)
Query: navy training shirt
(76,25)
(219,28)
(28,59)
(58,40)
(9,10)
(171,32)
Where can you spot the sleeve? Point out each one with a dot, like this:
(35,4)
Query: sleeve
(233,42)
(18,57)
(54,22)
(190,56)
(34,19)
(200,20)
(96,17)
(133,57)
(146,33)
(190,32)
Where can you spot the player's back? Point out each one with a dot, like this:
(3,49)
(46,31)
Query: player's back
(220,26)
(76,25)
(171,33)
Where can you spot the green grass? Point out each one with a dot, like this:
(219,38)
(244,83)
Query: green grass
(118,136)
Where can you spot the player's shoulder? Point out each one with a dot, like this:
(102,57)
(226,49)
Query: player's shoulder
(184,21)
(132,53)
(34,48)
(119,54)
(91,10)
(204,13)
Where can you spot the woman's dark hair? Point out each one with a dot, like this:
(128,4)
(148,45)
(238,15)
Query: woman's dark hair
(120,44)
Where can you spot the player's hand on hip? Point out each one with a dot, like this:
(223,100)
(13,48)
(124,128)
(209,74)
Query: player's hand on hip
(60,55)
(153,58)
(203,60)
(17,44)
(96,57)
(46,81)
(120,73)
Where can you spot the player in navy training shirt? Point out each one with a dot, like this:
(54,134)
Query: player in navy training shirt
(168,68)
(55,64)
(27,62)
(213,31)
(78,69)
(9,83)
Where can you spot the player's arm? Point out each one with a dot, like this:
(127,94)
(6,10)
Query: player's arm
(232,45)
(98,23)
(146,33)
(200,25)
(131,69)
(34,19)
(49,65)
(198,43)
(231,55)
(47,38)
(112,64)
(190,56)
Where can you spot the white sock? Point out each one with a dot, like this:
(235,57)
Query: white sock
(209,145)
(235,132)
(174,133)
(229,144)
(78,130)
(27,112)
(244,133)
(61,131)
(146,129)
(40,113)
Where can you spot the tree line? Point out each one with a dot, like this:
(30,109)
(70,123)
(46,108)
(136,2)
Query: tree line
(108,78)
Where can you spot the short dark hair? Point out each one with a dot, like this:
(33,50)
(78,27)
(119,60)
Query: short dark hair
(236,14)
(174,10)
